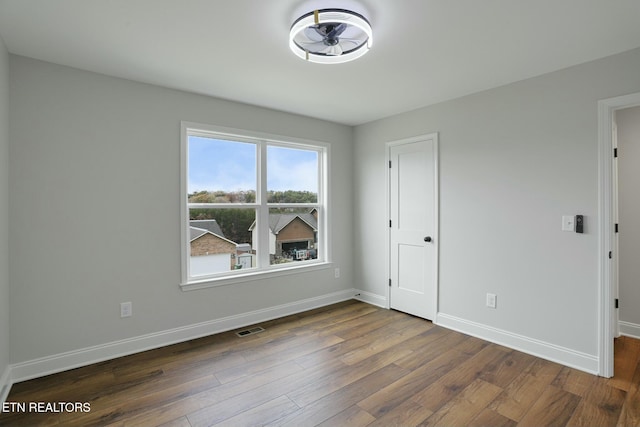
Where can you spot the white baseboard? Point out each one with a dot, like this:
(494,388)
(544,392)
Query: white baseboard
(629,329)
(73,359)
(565,356)
(5,384)
(370,298)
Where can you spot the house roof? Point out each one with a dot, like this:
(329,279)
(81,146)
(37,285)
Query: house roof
(196,233)
(207,224)
(200,227)
(279,221)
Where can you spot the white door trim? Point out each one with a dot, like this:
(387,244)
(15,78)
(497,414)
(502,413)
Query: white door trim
(436,211)
(606,221)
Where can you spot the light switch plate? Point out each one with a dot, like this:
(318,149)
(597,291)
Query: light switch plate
(568,223)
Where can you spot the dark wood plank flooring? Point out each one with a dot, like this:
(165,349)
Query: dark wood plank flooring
(349,364)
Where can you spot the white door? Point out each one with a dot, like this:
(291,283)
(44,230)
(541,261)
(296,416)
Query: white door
(413,224)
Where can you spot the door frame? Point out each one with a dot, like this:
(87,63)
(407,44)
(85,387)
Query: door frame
(436,213)
(607,276)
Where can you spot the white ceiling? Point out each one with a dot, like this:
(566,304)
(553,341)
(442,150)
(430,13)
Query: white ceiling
(424,51)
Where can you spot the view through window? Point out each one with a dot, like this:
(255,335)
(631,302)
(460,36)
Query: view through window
(251,204)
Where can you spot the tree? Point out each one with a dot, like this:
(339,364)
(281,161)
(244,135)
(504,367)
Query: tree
(235,222)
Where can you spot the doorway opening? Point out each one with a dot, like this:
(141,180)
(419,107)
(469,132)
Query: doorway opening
(627,237)
(608,247)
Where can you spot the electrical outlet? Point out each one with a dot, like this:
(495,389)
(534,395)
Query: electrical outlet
(126,309)
(491,300)
(336,273)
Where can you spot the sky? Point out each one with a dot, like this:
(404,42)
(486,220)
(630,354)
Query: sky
(218,165)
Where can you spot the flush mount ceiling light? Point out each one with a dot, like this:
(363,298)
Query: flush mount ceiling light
(330,36)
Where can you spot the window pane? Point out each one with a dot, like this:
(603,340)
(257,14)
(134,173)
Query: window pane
(292,175)
(252,202)
(293,235)
(221,171)
(221,240)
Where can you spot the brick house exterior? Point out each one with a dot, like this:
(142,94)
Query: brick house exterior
(209,243)
(207,239)
(290,232)
(297,233)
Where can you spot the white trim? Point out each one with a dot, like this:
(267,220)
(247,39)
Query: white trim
(261,232)
(253,275)
(185,236)
(73,359)
(5,384)
(261,140)
(629,329)
(371,298)
(565,356)
(387,235)
(606,313)
(615,208)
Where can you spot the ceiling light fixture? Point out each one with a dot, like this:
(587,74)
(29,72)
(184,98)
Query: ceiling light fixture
(330,36)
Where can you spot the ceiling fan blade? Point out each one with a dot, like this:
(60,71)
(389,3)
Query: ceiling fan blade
(335,50)
(329,30)
(353,43)
(352,40)
(339,29)
(312,34)
(313,46)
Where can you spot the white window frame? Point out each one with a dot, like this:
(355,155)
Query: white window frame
(263,269)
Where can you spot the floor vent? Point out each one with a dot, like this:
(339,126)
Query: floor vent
(245,332)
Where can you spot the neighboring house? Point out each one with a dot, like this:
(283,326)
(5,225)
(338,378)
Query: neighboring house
(207,224)
(210,250)
(291,235)
(206,238)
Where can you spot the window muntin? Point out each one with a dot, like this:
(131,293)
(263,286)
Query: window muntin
(266,196)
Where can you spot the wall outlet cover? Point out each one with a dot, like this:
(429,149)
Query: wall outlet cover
(491,300)
(126,309)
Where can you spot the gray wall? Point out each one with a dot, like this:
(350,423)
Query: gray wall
(628,121)
(94,217)
(4,211)
(513,160)
(94,211)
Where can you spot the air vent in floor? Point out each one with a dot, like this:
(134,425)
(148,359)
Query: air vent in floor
(250,331)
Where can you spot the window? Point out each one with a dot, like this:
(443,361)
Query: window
(252,204)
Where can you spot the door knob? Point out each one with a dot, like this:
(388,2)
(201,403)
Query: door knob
(427,239)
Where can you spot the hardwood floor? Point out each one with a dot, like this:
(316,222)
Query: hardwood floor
(350,364)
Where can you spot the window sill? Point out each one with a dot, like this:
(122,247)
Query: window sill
(253,276)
